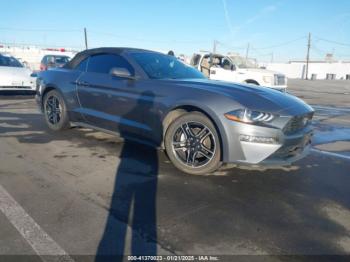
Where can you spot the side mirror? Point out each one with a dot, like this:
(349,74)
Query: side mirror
(121,72)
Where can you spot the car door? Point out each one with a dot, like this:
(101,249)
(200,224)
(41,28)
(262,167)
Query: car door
(107,101)
(226,71)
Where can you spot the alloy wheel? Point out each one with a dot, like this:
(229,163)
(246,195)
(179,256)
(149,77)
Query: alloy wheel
(194,144)
(53,110)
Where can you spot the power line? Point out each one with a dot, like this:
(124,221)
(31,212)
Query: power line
(145,40)
(231,47)
(323,52)
(331,41)
(318,50)
(282,44)
(259,53)
(24,44)
(39,30)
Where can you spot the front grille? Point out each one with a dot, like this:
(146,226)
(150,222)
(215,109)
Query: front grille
(280,80)
(297,123)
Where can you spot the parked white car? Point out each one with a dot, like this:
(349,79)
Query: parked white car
(237,69)
(14,76)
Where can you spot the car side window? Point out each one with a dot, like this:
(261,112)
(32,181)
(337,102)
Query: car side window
(195,60)
(82,65)
(226,64)
(103,63)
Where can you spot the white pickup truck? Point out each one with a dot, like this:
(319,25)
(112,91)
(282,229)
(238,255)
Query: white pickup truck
(237,69)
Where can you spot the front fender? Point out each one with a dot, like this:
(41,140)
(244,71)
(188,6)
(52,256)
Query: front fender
(216,119)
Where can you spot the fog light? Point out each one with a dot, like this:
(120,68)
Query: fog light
(258,139)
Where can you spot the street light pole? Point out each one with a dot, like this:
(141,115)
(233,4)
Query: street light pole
(85,36)
(247,52)
(308,57)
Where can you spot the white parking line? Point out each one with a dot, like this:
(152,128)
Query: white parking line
(37,238)
(330,153)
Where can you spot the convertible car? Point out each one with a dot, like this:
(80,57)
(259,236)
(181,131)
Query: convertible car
(155,99)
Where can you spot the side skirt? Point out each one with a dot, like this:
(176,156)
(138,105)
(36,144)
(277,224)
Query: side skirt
(114,133)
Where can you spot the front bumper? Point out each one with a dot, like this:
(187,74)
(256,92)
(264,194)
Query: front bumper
(24,87)
(294,148)
(17,83)
(286,149)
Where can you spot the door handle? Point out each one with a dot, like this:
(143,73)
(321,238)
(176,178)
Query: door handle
(82,83)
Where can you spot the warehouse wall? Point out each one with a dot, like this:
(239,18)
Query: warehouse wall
(297,69)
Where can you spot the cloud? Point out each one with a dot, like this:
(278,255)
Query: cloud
(263,12)
(227,17)
(260,14)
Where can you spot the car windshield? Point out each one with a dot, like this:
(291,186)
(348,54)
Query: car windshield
(159,66)
(57,59)
(61,59)
(242,62)
(9,61)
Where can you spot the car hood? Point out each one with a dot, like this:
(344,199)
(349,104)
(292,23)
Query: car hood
(252,97)
(18,71)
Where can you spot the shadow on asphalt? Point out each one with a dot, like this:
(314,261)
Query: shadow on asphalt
(18,94)
(134,197)
(272,211)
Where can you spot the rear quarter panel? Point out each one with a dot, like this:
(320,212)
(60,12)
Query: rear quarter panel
(62,80)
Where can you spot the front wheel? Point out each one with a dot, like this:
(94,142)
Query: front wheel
(192,144)
(55,111)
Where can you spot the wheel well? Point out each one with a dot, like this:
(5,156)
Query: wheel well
(178,111)
(252,81)
(47,89)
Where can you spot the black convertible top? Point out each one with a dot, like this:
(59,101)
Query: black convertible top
(110,50)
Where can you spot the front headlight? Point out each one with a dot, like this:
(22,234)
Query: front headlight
(268,79)
(249,116)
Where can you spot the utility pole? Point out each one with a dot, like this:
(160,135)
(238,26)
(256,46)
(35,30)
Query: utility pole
(85,35)
(214,46)
(247,53)
(272,57)
(308,57)
(214,52)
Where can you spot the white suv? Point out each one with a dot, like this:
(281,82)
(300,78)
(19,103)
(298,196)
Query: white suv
(237,69)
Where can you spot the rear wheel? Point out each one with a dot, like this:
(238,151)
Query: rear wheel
(55,111)
(192,144)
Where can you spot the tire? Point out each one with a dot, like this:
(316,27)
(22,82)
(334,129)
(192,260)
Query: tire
(55,111)
(192,144)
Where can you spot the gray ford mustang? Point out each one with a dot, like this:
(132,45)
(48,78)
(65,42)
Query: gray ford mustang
(155,99)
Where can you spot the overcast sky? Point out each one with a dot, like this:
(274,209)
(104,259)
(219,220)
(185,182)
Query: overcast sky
(275,29)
